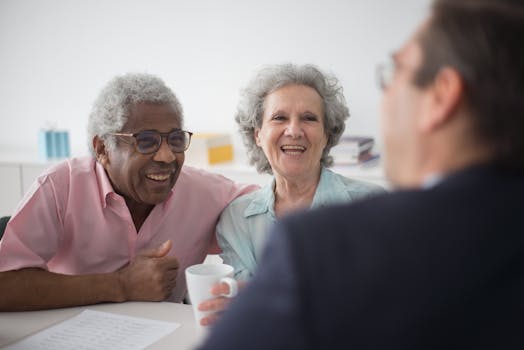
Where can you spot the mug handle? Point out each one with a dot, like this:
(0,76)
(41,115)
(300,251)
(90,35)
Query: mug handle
(233,286)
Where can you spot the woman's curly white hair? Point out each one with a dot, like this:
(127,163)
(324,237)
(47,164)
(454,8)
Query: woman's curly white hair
(250,109)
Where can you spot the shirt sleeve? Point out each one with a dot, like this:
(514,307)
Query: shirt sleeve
(33,234)
(267,313)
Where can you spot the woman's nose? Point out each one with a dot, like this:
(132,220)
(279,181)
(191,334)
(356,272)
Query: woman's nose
(294,129)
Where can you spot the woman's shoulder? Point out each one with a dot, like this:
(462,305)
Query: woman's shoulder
(257,197)
(355,186)
(236,220)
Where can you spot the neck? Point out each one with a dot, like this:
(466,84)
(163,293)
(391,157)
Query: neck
(292,194)
(139,212)
(445,148)
(451,159)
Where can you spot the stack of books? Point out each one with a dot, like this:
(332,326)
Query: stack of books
(353,150)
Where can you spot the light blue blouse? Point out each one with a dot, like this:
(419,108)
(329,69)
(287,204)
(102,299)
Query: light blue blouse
(244,225)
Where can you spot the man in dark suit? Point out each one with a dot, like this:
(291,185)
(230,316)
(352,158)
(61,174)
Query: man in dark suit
(438,264)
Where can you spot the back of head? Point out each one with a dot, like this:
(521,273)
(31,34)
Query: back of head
(482,40)
(111,108)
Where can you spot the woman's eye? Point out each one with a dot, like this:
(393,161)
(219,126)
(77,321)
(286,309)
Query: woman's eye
(311,118)
(279,117)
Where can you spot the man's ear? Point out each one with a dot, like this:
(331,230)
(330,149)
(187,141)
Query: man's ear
(100,150)
(445,96)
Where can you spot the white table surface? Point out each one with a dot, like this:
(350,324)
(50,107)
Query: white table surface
(16,325)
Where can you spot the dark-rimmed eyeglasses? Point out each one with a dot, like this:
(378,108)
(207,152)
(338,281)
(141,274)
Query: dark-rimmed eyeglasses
(385,73)
(149,141)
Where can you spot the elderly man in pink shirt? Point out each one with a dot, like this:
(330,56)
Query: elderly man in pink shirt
(114,227)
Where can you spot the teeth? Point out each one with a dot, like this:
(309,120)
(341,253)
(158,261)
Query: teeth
(293,148)
(158,177)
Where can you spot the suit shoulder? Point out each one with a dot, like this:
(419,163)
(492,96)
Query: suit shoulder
(359,216)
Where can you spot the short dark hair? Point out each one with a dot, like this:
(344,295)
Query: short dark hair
(483,41)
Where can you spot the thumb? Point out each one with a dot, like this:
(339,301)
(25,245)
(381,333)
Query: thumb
(159,251)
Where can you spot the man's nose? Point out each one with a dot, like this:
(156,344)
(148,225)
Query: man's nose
(164,153)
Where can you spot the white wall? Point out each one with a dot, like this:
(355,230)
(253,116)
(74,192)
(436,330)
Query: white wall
(56,54)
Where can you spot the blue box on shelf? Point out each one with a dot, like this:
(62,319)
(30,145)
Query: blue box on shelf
(53,144)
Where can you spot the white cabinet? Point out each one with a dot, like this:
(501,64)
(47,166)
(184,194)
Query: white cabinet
(248,174)
(10,187)
(15,180)
(373,173)
(29,174)
(240,173)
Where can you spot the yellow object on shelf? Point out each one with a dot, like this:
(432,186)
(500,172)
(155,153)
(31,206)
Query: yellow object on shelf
(209,149)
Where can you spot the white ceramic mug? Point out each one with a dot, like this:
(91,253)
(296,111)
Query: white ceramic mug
(201,278)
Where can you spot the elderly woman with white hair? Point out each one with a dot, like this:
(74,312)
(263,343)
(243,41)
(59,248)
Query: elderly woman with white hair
(290,116)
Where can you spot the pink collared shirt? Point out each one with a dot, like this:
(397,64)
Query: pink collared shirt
(72,222)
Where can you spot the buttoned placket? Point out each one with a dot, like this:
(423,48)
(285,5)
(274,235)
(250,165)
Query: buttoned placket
(118,205)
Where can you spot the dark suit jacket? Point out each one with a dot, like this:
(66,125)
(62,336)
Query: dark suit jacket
(441,268)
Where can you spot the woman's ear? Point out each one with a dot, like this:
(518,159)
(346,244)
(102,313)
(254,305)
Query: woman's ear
(257,139)
(100,150)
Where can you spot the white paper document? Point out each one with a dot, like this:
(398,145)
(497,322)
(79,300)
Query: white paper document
(98,330)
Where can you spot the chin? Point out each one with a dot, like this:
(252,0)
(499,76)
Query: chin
(156,200)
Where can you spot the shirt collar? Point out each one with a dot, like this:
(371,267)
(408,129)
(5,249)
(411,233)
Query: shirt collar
(104,185)
(432,180)
(330,188)
(263,202)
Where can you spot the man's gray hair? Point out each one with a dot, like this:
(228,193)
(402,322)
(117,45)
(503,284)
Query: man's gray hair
(112,106)
(250,109)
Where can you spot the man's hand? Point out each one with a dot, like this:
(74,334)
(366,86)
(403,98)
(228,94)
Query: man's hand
(151,275)
(217,304)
